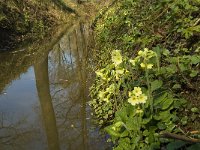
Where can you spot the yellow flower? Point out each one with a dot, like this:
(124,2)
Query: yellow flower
(151,54)
(139,111)
(142,98)
(114,128)
(120,71)
(111,89)
(116,57)
(146,53)
(106,100)
(137,91)
(142,65)
(126,71)
(146,50)
(101,94)
(136,96)
(133,100)
(141,53)
(132,61)
(149,66)
(130,94)
(99,73)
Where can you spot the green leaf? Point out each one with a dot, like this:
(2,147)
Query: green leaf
(165,115)
(121,115)
(155,145)
(132,124)
(176,86)
(161,126)
(124,143)
(118,124)
(164,101)
(167,103)
(130,110)
(195,110)
(184,120)
(110,130)
(195,59)
(175,118)
(195,28)
(146,133)
(151,137)
(194,73)
(118,148)
(135,140)
(193,117)
(183,67)
(175,145)
(146,120)
(194,147)
(124,134)
(156,84)
(166,52)
(179,102)
(158,100)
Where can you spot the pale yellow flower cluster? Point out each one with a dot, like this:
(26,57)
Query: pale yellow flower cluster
(146,53)
(148,66)
(132,61)
(116,57)
(136,96)
(119,72)
(144,56)
(102,96)
(110,89)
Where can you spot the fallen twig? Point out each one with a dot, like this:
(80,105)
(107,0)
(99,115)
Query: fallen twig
(179,137)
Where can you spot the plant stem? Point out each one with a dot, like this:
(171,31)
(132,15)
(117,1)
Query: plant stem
(148,85)
(158,63)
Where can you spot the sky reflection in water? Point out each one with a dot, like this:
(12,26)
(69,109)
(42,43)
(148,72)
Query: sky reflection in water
(44,106)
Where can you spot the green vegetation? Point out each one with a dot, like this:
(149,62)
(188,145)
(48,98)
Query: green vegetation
(147,63)
(21,20)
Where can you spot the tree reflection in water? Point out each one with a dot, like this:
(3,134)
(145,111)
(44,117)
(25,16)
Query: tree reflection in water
(69,84)
(48,116)
(62,82)
(15,135)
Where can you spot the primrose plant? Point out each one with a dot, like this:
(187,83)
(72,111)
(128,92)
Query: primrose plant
(130,101)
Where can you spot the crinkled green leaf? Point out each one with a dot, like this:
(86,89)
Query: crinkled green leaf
(176,145)
(156,84)
(161,98)
(167,103)
(194,147)
(195,59)
(194,73)
(112,132)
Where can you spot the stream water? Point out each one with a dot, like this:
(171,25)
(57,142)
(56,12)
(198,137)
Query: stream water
(44,95)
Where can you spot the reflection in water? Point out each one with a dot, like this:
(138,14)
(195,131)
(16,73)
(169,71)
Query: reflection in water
(42,84)
(56,115)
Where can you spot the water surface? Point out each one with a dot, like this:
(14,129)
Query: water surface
(44,95)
